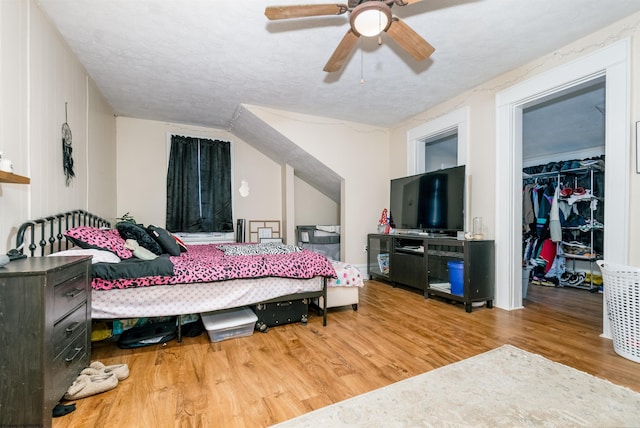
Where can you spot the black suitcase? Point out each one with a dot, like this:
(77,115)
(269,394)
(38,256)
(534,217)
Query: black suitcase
(278,313)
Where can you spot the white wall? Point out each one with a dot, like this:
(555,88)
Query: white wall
(38,75)
(142,159)
(358,153)
(313,207)
(142,172)
(101,189)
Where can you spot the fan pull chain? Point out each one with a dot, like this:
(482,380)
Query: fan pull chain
(361,63)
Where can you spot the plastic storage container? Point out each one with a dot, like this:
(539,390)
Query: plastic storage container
(622,294)
(526,275)
(229,323)
(456,277)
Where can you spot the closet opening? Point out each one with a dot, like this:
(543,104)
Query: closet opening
(563,191)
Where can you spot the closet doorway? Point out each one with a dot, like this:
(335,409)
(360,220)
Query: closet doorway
(612,62)
(563,147)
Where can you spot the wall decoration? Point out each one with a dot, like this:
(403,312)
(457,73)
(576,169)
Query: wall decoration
(265,232)
(67,158)
(259,229)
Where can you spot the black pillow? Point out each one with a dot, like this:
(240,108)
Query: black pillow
(133,268)
(166,240)
(133,231)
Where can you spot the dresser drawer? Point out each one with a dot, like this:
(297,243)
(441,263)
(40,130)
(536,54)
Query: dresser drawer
(68,364)
(49,299)
(66,329)
(69,294)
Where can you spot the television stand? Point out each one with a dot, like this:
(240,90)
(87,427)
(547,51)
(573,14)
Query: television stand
(427,234)
(421,262)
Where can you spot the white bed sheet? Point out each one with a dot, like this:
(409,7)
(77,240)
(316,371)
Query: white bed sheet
(179,299)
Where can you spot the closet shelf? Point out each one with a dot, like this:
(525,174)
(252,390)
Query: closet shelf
(583,199)
(579,257)
(7,177)
(594,167)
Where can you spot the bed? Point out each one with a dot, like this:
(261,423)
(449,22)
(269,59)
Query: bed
(189,289)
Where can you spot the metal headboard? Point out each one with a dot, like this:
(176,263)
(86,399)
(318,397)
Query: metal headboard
(47,233)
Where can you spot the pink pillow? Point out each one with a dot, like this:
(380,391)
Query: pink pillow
(101,239)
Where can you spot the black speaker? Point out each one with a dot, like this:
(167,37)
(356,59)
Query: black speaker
(240,230)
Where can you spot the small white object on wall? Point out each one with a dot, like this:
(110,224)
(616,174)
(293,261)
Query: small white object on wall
(5,164)
(244,188)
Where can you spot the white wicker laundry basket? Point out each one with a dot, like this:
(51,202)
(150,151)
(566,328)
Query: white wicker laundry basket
(622,292)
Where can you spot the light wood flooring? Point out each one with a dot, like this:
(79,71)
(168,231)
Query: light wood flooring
(270,377)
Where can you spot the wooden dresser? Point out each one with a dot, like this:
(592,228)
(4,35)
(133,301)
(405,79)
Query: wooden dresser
(45,334)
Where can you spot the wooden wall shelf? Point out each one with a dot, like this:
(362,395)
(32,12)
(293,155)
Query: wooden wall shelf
(7,177)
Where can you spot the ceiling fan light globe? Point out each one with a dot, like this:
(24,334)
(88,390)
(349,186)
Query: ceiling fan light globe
(371,18)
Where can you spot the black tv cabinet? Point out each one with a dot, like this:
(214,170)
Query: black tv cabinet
(421,262)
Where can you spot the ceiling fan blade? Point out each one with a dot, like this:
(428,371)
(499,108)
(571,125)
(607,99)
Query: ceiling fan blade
(409,40)
(342,52)
(301,11)
(410,2)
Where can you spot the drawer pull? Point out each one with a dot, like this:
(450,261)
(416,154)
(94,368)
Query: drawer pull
(73,328)
(75,354)
(73,293)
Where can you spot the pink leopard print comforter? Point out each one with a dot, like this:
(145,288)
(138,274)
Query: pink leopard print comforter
(206,263)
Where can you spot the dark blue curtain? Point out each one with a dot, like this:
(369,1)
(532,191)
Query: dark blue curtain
(199,185)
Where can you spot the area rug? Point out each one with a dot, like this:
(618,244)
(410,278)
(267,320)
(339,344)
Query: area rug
(505,387)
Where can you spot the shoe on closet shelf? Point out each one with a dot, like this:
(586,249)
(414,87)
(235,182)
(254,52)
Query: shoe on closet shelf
(86,385)
(566,192)
(594,279)
(121,371)
(565,278)
(577,278)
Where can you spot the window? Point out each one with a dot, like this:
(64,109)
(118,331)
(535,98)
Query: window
(441,151)
(439,143)
(199,197)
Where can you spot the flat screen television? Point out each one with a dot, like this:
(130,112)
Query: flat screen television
(432,202)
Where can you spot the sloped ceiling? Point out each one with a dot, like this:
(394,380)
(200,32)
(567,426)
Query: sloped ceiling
(276,146)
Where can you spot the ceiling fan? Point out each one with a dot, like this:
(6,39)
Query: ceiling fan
(367,18)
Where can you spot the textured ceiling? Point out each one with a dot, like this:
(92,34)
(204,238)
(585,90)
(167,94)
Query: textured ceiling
(197,61)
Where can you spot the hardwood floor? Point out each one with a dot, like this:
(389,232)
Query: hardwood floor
(267,378)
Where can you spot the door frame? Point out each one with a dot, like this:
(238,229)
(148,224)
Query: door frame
(613,62)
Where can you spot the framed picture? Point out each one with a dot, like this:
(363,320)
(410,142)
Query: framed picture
(260,229)
(264,232)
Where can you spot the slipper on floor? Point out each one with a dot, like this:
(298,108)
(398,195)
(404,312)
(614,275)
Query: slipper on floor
(87,385)
(62,409)
(96,368)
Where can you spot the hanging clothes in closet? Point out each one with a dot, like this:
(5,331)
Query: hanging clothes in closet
(542,230)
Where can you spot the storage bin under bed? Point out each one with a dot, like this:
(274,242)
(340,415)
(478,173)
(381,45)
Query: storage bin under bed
(229,323)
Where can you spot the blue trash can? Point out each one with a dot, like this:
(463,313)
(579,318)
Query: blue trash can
(456,277)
